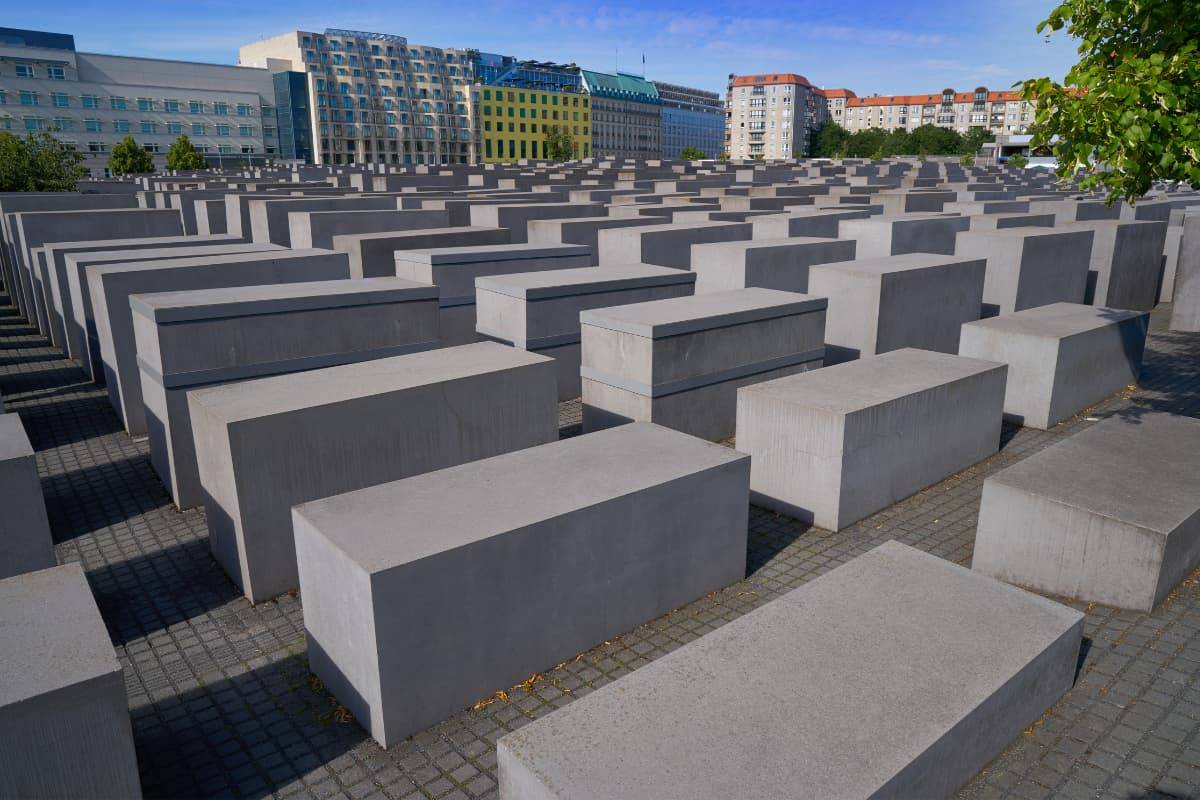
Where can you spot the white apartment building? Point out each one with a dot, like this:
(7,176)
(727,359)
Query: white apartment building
(771,116)
(376,98)
(999,112)
(91,101)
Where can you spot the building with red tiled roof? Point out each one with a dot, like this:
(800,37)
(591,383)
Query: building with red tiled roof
(771,115)
(999,112)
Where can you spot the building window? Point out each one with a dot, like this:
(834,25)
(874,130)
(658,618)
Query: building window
(29,99)
(117,103)
(24,70)
(222,130)
(56,73)
(150,147)
(268,133)
(245,130)
(93,126)
(60,100)
(145,104)
(199,128)
(221,109)
(243,109)
(196,106)
(175,128)
(225,149)
(64,123)
(171,106)
(247,149)
(147,126)
(89,101)
(33,123)
(121,125)
(97,147)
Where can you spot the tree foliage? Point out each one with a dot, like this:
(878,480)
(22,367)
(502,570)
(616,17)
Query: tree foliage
(127,158)
(183,155)
(692,154)
(1128,113)
(558,144)
(38,163)
(833,141)
(1017,160)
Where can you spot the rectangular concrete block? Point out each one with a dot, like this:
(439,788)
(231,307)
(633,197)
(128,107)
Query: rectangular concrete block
(897,674)
(665,245)
(837,444)
(1123,535)
(539,311)
(552,549)
(192,339)
(64,716)
(583,231)
(373,255)
(516,217)
(265,445)
(25,542)
(897,235)
(679,362)
(454,270)
(111,286)
(877,305)
(1061,358)
(803,222)
(769,263)
(1185,308)
(84,336)
(317,228)
(1125,264)
(1029,267)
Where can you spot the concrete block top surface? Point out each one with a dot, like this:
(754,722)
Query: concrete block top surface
(836,687)
(1125,445)
(886,265)
(491,252)
(281,394)
(866,382)
(657,319)
(168,262)
(411,233)
(1057,320)
(51,634)
(14,442)
(683,226)
(274,298)
(582,280)
(780,243)
(391,524)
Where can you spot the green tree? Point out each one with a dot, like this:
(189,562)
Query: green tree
(692,154)
(829,140)
(558,144)
(127,158)
(932,140)
(967,160)
(38,163)
(183,155)
(1128,113)
(973,141)
(1017,160)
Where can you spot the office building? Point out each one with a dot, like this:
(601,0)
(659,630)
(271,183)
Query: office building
(514,122)
(92,101)
(626,115)
(376,98)
(691,118)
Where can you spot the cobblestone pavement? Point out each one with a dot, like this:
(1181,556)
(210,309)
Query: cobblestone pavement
(223,704)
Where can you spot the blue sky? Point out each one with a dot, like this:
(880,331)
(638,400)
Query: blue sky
(870,46)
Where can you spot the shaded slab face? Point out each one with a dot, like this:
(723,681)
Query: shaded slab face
(897,674)
(1124,535)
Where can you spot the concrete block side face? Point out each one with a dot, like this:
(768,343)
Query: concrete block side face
(1054,269)
(552,589)
(282,460)
(787,270)
(1137,259)
(518,779)
(1042,544)
(25,540)
(795,456)
(1185,309)
(218,481)
(1180,557)
(618,354)
(606,406)
(1032,365)
(1095,364)
(73,742)
(927,308)
(339,624)
(853,316)
(897,448)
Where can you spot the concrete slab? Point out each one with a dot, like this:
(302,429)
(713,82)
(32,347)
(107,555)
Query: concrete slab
(565,545)
(373,255)
(1029,267)
(1061,358)
(25,541)
(897,674)
(768,263)
(665,245)
(265,445)
(837,444)
(1123,535)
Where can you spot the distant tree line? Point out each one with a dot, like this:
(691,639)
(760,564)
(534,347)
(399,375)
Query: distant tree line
(38,163)
(831,140)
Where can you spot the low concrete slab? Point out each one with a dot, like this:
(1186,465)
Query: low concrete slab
(565,545)
(897,674)
(1061,358)
(1123,535)
(373,255)
(837,444)
(665,245)
(768,263)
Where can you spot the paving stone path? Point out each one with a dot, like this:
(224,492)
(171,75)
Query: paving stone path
(223,703)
